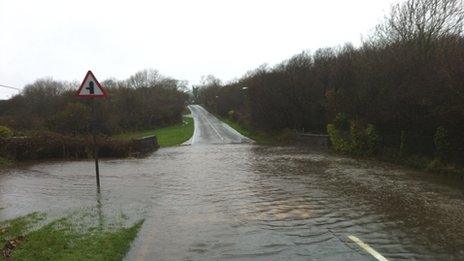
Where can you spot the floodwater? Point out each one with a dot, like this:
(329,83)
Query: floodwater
(250,202)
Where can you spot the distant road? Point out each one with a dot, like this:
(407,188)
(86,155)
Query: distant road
(210,130)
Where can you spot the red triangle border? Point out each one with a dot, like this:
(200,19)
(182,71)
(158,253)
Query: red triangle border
(89,73)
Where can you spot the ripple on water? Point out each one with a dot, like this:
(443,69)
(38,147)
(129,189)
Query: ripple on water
(252,202)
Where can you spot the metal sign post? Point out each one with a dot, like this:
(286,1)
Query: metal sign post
(95,145)
(91,88)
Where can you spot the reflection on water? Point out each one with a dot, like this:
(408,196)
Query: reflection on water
(253,202)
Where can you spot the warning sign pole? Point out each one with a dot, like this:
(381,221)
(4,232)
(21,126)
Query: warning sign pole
(91,88)
(95,144)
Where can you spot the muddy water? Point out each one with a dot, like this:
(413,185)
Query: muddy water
(251,202)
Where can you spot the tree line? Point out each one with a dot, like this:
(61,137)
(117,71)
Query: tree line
(145,100)
(404,85)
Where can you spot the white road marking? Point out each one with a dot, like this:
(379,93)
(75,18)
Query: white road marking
(367,248)
(211,124)
(215,130)
(205,120)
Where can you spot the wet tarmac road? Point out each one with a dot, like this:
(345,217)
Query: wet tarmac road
(210,130)
(250,202)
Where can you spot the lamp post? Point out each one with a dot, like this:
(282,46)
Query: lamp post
(245,92)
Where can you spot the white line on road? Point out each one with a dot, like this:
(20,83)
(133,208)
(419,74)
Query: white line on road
(211,124)
(367,248)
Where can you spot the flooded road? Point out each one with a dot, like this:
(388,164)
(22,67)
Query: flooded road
(250,202)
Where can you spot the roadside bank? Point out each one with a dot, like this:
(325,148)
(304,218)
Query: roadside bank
(395,156)
(49,145)
(82,236)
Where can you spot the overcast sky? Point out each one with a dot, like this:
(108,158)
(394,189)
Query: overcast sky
(184,39)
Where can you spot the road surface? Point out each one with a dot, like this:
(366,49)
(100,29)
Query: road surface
(215,201)
(210,130)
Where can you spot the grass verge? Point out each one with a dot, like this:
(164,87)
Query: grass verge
(259,137)
(167,136)
(63,239)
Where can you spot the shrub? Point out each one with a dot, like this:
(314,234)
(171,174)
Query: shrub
(341,122)
(358,138)
(231,115)
(436,165)
(286,136)
(441,143)
(44,145)
(5,132)
(74,119)
(402,143)
(372,140)
(339,144)
(360,141)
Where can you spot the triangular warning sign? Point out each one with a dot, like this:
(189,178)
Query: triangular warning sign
(91,88)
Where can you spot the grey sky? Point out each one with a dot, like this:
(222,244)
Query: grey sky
(184,39)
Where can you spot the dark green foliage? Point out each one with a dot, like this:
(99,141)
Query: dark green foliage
(441,142)
(372,140)
(436,165)
(339,143)
(5,132)
(74,119)
(341,122)
(359,140)
(402,143)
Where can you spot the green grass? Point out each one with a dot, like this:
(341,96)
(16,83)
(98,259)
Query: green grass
(167,136)
(64,239)
(259,137)
(11,229)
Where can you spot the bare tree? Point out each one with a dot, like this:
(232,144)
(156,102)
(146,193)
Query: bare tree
(422,21)
(145,78)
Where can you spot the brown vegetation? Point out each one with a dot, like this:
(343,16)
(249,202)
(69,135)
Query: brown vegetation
(50,122)
(44,145)
(406,81)
(145,100)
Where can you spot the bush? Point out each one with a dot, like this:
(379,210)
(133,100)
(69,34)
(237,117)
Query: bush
(74,119)
(441,143)
(232,115)
(360,141)
(341,122)
(286,136)
(45,145)
(147,100)
(339,144)
(5,132)
(402,143)
(372,140)
(436,165)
